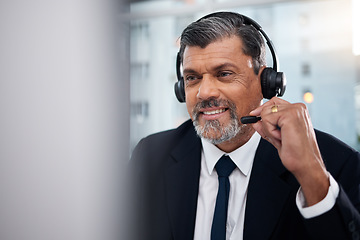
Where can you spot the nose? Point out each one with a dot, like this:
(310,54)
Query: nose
(208,88)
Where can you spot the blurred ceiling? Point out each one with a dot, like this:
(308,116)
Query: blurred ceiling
(192,6)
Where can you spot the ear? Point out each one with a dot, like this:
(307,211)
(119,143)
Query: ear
(258,76)
(261,70)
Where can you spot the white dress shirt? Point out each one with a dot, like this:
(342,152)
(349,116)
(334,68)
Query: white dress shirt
(243,157)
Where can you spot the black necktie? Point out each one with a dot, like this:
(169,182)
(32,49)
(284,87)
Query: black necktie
(223,167)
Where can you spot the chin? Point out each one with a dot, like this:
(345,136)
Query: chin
(217,133)
(212,136)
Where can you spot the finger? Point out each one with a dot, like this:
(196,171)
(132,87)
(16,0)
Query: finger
(277,101)
(271,102)
(271,128)
(274,140)
(276,143)
(265,114)
(268,126)
(256,111)
(259,128)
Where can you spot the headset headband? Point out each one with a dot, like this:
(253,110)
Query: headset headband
(273,82)
(249,21)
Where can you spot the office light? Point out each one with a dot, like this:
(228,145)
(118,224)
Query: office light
(308,97)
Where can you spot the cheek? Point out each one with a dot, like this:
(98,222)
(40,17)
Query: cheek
(248,99)
(189,107)
(254,89)
(257,93)
(190,98)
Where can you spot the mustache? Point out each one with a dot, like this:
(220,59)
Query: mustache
(212,102)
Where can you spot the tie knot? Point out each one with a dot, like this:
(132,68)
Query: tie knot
(224,166)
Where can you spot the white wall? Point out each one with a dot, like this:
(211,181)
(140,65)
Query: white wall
(64,111)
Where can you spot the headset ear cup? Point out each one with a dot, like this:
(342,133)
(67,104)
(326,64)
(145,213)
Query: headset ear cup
(179,85)
(272,83)
(265,83)
(281,83)
(180,90)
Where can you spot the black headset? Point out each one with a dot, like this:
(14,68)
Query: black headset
(273,82)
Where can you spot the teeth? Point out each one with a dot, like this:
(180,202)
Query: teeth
(214,112)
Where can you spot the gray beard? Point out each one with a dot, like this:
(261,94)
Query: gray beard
(226,132)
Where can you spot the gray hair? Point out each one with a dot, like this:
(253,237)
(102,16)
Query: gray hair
(221,25)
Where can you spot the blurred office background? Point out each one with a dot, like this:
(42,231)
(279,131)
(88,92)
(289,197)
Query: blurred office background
(317,42)
(81,81)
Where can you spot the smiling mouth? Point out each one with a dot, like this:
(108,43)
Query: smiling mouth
(217,111)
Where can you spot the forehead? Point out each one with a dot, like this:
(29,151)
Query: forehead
(226,49)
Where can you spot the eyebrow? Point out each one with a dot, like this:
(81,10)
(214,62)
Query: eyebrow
(217,68)
(225,65)
(189,71)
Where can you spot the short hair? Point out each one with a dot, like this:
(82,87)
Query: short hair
(225,24)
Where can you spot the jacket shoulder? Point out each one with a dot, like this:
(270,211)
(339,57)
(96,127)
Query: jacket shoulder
(335,153)
(168,137)
(332,146)
(158,145)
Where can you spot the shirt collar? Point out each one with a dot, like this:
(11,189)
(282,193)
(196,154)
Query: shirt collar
(243,156)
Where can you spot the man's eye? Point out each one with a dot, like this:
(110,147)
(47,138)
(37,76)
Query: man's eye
(191,78)
(224,74)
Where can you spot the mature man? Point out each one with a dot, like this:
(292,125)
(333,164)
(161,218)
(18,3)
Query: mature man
(284,180)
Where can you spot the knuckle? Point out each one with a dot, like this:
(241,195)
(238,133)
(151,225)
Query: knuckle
(301,106)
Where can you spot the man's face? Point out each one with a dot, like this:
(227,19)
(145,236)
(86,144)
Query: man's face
(220,88)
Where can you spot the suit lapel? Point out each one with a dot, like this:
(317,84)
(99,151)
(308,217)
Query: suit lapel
(267,193)
(182,186)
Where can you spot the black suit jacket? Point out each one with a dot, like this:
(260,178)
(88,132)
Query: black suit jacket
(166,167)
